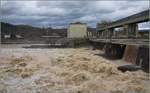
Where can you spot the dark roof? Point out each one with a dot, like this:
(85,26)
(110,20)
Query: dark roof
(77,23)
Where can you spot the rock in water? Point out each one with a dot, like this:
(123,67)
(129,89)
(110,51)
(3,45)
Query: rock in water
(125,68)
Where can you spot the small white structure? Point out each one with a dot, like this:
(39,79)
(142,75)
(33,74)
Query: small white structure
(7,36)
(19,36)
(77,30)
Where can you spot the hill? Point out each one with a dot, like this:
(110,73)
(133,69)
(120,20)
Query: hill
(27,31)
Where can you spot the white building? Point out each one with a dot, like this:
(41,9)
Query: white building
(7,36)
(77,30)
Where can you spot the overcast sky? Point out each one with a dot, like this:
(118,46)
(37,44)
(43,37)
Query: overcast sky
(61,13)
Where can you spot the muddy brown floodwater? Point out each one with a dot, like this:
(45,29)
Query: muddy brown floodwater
(65,71)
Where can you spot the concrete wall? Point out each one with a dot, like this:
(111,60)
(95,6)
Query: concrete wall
(77,31)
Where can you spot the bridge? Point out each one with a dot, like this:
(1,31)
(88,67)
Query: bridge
(125,43)
(129,33)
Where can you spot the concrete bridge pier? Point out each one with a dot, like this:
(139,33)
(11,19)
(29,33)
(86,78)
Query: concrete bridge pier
(143,58)
(98,34)
(131,30)
(110,32)
(114,51)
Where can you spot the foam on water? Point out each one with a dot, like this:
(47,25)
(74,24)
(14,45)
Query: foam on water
(65,71)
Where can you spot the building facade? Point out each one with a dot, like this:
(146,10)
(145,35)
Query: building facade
(77,30)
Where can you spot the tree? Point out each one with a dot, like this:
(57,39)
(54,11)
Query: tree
(104,23)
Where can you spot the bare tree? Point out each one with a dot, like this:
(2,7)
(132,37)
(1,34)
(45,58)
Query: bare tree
(104,23)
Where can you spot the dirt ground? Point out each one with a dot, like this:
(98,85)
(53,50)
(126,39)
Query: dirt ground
(65,70)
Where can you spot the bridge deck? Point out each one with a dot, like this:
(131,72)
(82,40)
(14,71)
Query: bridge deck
(123,41)
(136,18)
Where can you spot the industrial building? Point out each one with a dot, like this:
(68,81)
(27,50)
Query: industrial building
(77,30)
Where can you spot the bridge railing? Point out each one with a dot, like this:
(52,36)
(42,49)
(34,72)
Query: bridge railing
(115,35)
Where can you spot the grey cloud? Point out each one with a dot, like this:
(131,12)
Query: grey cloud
(61,13)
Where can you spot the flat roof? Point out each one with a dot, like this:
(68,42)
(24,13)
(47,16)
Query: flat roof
(78,23)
